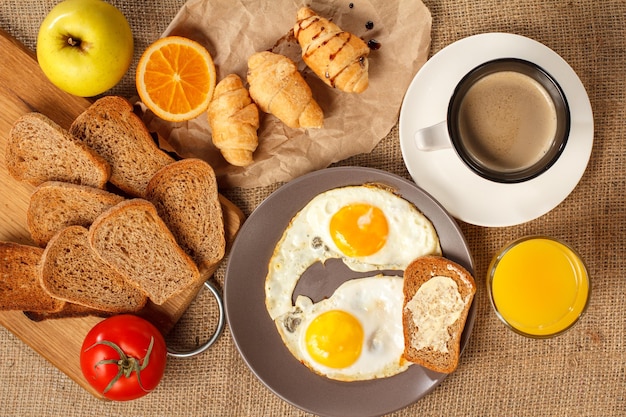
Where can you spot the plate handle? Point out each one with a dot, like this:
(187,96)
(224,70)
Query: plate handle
(218,330)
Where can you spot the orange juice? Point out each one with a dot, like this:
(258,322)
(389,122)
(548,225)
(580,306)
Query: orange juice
(538,286)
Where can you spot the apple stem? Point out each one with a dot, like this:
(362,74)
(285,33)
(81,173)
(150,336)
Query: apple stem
(73,42)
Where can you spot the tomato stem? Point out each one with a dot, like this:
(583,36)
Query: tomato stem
(126,365)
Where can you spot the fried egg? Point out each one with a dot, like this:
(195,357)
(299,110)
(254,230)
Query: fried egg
(355,334)
(368,227)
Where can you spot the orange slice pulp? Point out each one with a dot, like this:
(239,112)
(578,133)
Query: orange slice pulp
(175,78)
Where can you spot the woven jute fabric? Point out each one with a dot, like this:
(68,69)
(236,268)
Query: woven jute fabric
(580,373)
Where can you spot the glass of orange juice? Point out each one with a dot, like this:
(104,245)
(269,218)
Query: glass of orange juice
(538,286)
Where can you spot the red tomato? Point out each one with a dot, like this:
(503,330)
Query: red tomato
(117,358)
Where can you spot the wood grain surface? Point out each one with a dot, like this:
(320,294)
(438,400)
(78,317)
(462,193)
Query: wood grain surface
(24,88)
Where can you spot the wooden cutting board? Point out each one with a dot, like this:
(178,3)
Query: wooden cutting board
(24,88)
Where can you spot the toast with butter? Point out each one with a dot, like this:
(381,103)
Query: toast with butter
(437,296)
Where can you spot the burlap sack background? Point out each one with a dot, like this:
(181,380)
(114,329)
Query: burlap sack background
(581,373)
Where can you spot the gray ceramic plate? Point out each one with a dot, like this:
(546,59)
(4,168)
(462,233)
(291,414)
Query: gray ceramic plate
(255,334)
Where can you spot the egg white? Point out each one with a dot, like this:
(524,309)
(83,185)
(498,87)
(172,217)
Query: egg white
(307,240)
(376,302)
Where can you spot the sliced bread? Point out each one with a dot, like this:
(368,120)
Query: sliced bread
(437,296)
(110,127)
(19,280)
(186,197)
(72,271)
(55,205)
(133,239)
(40,150)
(69,310)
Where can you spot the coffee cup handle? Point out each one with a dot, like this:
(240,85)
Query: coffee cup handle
(433,138)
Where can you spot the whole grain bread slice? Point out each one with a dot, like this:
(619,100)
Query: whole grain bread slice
(56,205)
(19,280)
(72,271)
(185,194)
(110,127)
(436,345)
(40,150)
(69,310)
(132,238)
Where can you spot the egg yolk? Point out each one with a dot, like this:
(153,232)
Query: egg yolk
(359,229)
(334,339)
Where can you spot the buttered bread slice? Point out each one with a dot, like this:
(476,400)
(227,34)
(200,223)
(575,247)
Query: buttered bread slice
(437,296)
(133,239)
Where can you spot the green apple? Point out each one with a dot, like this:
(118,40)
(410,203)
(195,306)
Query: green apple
(85,46)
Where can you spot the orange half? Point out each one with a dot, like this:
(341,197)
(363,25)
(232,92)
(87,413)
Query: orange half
(176,78)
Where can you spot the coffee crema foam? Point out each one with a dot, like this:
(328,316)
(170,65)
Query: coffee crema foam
(507,121)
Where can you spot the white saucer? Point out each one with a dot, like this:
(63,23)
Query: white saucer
(465,195)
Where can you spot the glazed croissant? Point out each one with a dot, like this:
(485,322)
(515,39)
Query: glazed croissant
(338,58)
(234,121)
(278,88)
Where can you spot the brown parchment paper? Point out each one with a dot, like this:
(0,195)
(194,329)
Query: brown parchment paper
(232,30)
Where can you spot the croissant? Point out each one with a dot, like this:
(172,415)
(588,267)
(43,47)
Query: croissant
(338,58)
(278,88)
(234,121)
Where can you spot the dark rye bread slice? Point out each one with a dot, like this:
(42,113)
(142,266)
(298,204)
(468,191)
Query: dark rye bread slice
(185,195)
(56,205)
(40,150)
(417,273)
(19,280)
(110,127)
(132,238)
(72,271)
